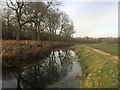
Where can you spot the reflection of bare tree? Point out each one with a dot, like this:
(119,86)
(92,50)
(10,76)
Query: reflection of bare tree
(56,66)
(65,60)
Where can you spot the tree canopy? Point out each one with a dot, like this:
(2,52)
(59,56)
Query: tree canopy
(35,21)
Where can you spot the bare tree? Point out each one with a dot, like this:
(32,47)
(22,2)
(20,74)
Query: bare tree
(33,19)
(69,29)
(18,8)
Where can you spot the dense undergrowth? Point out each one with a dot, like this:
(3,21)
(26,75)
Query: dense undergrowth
(16,53)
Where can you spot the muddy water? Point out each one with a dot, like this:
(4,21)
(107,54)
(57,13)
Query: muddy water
(59,70)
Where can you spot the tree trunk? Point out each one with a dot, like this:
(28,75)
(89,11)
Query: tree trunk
(18,37)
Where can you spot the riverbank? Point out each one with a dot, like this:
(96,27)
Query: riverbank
(16,53)
(98,71)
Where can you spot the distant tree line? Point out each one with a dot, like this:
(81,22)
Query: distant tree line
(109,40)
(35,21)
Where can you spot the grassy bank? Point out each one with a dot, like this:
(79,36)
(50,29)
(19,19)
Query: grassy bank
(98,71)
(110,48)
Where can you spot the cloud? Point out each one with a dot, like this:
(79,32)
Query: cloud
(93,18)
(89,1)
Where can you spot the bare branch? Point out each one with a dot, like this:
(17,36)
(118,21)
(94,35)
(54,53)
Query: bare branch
(28,21)
(10,6)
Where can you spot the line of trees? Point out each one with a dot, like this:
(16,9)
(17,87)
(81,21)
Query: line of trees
(109,40)
(35,21)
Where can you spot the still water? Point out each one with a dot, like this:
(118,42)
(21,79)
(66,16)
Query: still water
(59,70)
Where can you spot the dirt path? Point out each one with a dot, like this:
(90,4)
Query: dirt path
(113,57)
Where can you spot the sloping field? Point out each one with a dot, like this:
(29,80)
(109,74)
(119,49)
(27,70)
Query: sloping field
(114,58)
(110,48)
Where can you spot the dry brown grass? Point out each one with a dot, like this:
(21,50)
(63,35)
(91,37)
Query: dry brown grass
(26,51)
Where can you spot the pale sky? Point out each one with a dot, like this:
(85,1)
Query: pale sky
(93,18)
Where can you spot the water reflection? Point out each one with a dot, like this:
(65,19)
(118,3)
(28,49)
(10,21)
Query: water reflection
(50,70)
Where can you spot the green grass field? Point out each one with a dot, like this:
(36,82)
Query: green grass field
(97,71)
(110,48)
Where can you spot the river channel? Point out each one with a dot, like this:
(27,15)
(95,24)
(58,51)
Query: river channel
(60,69)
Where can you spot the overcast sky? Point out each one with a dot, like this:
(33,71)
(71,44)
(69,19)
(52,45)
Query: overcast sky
(94,18)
